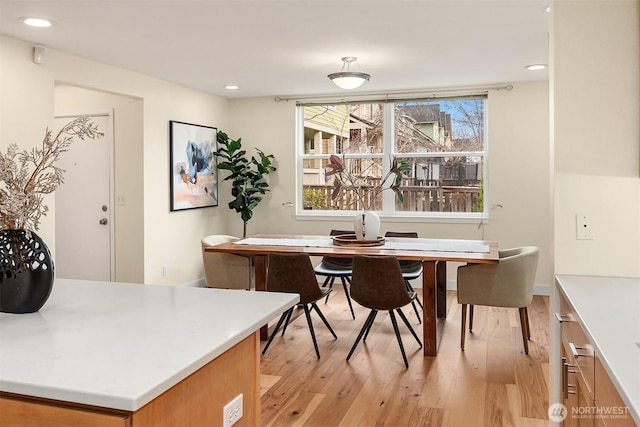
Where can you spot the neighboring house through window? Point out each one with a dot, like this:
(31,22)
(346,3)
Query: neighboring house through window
(442,140)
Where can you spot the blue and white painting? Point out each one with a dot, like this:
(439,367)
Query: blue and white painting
(194,173)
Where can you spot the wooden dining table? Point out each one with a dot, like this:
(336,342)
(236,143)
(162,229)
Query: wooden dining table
(433,253)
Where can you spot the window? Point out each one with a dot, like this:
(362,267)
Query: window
(442,140)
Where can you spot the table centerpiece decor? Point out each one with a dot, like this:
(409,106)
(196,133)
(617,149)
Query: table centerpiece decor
(366,223)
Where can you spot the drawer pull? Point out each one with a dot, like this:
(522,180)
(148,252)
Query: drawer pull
(565,378)
(564,318)
(574,351)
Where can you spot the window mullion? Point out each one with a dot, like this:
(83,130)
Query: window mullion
(388,197)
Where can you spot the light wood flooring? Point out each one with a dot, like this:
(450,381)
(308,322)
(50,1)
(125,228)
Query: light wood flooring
(492,383)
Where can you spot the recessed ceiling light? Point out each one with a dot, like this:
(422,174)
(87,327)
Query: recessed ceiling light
(535,67)
(37,22)
(232,87)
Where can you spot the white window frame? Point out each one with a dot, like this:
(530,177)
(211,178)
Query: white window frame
(388,197)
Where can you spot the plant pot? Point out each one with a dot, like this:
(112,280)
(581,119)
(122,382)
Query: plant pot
(366,225)
(26,271)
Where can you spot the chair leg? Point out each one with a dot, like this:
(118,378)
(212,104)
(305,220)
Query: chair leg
(395,329)
(326,281)
(523,324)
(286,321)
(366,333)
(463,326)
(470,317)
(275,331)
(415,308)
(324,320)
(526,315)
(406,322)
(346,293)
(330,279)
(313,334)
(410,289)
(369,320)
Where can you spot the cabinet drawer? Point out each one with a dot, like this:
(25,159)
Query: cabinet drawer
(577,345)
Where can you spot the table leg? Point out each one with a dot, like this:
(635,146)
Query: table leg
(429,332)
(441,299)
(260,268)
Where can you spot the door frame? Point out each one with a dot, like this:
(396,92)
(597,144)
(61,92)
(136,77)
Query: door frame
(108,133)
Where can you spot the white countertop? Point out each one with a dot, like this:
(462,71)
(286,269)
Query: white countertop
(609,309)
(120,345)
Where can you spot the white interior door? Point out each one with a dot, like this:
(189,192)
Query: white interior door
(84,216)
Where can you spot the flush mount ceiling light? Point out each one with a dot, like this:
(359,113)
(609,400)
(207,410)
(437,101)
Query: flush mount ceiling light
(535,67)
(37,22)
(349,79)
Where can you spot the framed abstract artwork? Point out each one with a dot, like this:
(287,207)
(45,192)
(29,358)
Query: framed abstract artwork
(194,172)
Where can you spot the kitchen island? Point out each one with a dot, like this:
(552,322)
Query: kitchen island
(103,354)
(600,325)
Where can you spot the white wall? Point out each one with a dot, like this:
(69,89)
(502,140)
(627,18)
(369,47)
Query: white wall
(518,174)
(596,97)
(27,108)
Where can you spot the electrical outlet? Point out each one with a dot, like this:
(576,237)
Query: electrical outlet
(232,411)
(164,271)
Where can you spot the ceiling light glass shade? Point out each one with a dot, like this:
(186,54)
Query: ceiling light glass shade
(349,79)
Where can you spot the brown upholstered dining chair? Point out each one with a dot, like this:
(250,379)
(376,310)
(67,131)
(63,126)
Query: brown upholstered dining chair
(411,270)
(332,268)
(294,273)
(506,284)
(377,284)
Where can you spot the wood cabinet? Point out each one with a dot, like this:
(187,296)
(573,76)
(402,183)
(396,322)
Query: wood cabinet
(588,393)
(195,401)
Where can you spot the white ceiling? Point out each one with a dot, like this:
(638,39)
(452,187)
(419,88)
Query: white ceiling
(287,47)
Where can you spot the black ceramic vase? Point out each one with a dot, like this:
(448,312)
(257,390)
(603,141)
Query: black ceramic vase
(26,272)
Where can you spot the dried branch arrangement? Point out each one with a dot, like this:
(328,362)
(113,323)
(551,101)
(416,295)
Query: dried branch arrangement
(346,180)
(26,176)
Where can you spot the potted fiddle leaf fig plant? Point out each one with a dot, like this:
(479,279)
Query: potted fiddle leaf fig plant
(247,176)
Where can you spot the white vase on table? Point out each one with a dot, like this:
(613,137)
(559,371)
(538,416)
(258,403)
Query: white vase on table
(366,225)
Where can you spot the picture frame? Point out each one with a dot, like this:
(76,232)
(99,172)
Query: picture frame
(193,166)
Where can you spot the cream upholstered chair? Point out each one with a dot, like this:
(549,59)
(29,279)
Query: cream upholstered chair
(506,284)
(223,270)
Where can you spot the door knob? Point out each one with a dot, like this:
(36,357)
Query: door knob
(103,221)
